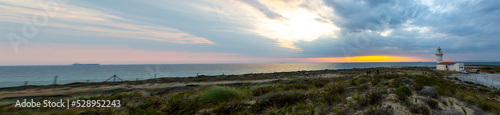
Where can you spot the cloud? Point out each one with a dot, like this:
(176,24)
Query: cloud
(413,28)
(292,30)
(95,23)
(287,22)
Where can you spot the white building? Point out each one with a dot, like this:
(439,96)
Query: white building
(448,66)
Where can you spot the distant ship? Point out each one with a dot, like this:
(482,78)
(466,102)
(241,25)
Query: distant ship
(78,64)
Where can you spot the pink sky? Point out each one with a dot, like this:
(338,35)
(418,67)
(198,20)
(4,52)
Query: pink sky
(58,54)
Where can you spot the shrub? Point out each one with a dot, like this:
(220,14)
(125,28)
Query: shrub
(390,76)
(497,92)
(363,87)
(227,108)
(403,92)
(433,104)
(358,81)
(280,99)
(332,92)
(375,80)
(480,101)
(418,86)
(371,98)
(263,90)
(332,98)
(178,107)
(383,91)
(218,94)
(396,83)
(292,86)
(320,82)
(419,110)
(489,106)
(336,88)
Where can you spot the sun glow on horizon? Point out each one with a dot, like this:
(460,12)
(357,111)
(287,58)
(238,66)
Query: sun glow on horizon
(368,59)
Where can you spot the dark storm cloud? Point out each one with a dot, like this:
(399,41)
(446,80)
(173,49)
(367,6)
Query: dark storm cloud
(469,27)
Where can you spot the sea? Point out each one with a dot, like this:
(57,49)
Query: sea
(12,76)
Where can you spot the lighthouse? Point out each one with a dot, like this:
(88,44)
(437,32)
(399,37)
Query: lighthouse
(439,55)
(447,66)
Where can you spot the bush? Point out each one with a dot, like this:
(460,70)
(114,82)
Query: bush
(433,104)
(403,92)
(178,107)
(383,91)
(218,94)
(420,110)
(293,86)
(482,102)
(335,89)
(371,98)
(363,87)
(396,83)
(279,100)
(444,87)
(375,80)
(227,108)
(320,82)
(263,90)
(418,86)
(358,81)
(390,76)
(333,92)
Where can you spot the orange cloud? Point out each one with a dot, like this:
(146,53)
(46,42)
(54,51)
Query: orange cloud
(368,59)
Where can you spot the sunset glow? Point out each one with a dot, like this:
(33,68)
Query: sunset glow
(369,59)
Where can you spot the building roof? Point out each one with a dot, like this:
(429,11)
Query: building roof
(446,63)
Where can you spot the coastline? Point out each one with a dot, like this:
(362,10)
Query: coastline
(347,91)
(35,91)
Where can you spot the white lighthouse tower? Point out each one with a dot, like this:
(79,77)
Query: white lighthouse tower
(448,66)
(439,55)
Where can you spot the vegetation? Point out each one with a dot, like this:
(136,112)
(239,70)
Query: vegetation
(371,98)
(403,92)
(218,94)
(353,93)
(433,104)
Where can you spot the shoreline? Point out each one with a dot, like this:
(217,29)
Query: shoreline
(350,91)
(67,90)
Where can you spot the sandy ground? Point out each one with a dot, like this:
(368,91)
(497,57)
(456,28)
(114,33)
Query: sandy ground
(483,78)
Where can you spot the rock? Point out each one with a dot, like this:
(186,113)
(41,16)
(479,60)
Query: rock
(386,111)
(424,99)
(477,110)
(384,96)
(410,101)
(451,112)
(429,91)
(405,80)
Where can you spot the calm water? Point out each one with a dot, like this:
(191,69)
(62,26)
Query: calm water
(44,75)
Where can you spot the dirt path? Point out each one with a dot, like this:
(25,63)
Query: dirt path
(483,78)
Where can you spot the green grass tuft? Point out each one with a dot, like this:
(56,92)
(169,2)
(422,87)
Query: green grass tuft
(218,94)
(403,92)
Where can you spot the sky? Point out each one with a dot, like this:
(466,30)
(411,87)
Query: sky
(58,32)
